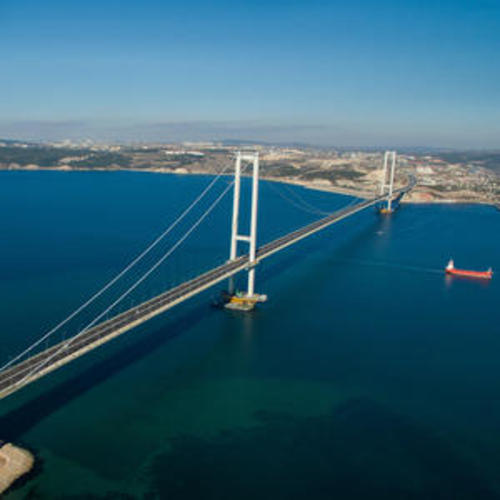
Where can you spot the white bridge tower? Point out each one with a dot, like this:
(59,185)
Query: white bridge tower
(387,184)
(246,301)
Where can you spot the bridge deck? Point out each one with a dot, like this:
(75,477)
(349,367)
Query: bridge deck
(25,372)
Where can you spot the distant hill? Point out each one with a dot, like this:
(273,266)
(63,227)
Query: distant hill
(487,159)
(47,156)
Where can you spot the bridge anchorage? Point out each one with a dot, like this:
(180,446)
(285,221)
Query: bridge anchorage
(387,184)
(239,300)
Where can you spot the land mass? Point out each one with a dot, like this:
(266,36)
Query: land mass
(467,177)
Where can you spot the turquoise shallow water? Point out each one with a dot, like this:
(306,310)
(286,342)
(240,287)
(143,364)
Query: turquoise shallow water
(368,374)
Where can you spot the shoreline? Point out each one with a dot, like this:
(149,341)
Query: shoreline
(284,180)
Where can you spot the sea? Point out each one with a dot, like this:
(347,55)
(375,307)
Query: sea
(367,374)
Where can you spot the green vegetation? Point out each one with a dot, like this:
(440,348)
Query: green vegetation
(100,160)
(37,155)
(279,169)
(45,156)
(331,175)
(144,151)
(182,159)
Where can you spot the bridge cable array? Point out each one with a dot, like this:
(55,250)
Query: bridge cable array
(302,204)
(125,270)
(67,343)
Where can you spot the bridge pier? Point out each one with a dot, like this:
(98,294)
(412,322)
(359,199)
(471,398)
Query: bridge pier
(387,184)
(238,300)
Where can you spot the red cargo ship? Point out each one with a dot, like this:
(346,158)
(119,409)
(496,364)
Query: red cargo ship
(450,269)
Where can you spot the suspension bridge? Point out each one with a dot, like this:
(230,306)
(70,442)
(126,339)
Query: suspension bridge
(29,366)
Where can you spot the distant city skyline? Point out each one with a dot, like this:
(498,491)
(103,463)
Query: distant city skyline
(364,73)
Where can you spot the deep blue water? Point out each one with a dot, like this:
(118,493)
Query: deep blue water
(368,374)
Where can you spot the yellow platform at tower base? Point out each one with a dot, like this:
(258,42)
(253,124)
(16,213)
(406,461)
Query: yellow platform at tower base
(240,302)
(386,211)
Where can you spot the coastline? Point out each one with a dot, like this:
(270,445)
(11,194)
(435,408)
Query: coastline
(284,180)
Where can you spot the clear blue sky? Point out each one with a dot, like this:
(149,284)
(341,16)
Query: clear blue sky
(357,72)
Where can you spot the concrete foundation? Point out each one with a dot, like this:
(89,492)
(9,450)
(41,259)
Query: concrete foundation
(14,463)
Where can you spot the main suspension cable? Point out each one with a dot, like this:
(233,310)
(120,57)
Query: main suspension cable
(303,205)
(131,288)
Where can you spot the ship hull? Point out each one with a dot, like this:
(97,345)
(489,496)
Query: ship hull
(484,275)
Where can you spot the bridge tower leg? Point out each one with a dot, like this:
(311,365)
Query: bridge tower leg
(384,173)
(245,302)
(236,212)
(387,184)
(253,226)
